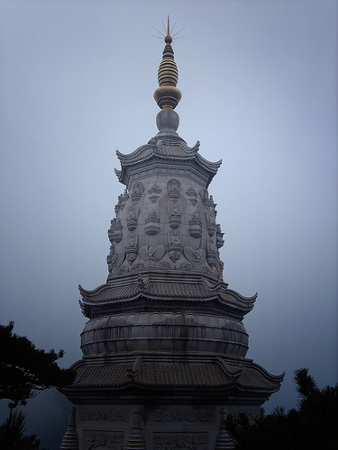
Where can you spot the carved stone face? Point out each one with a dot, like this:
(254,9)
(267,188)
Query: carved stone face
(174,255)
(131,257)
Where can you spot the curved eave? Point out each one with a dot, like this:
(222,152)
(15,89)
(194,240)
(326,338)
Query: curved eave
(228,296)
(165,151)
(194,292)
(167,373)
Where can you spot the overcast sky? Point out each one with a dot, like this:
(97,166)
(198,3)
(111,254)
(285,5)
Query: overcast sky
(259,91)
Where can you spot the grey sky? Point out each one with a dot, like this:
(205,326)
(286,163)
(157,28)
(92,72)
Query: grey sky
(259,87)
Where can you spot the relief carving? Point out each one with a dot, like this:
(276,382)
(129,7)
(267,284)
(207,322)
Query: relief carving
(153,198)
(195,228)
(181,416)
(185,267)
(164,265)
(186,441)
(152,223)
(174,255)
(115,231)
(175,247)
(131,248)
(136,192)
(117,259)
(133,212)
(154,189)
(111,416)
(110,258)
(196,257)
(118,206)
(111,440)
(205,197)
(175,215)
(219,237)
(174,187)
(175,238)
(148,253)
(192,194)
(211,223)
(212,253)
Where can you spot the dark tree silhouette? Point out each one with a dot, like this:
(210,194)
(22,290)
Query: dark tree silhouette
(312,427)
(25,370)
(12,434)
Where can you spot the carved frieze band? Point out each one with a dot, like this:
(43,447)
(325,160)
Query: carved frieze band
(109,440)
(173,441)
(101,415)
(181,416)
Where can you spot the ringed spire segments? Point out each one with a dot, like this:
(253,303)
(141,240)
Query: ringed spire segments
(167,95)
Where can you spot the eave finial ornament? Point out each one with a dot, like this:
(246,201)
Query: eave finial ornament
(167,95)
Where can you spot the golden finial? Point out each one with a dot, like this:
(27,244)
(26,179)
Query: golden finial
(167,95)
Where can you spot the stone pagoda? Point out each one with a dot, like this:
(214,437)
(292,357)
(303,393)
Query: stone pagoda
(164,346)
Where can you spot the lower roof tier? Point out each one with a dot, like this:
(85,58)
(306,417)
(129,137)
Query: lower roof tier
(169,375)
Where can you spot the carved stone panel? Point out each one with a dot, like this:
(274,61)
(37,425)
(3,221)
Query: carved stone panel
(115,231)
(103,415)
(137,192)
(182,441)
(180,416)
(133,213)
(155,189)
(195,228)
(152,223)
(174,187)
(103,440)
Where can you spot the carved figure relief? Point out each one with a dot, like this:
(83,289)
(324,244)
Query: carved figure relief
(192,195)
(133,212)
(196,257)
(131,248)
(155,189)
(118,206)
(117,259)
(175,215)
(191,192)
(195,228)
(211,223)
(174,187)
(212,253)
(175,238)
(115,231)
(152,223)
(219,237)
(122,200)
(204,195)
(110,258)
(136,192)
(154,192)
(148,253)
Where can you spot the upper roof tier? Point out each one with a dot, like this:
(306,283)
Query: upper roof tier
(166,148)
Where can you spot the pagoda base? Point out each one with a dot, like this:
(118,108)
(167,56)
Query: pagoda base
(165,402)
(151,427)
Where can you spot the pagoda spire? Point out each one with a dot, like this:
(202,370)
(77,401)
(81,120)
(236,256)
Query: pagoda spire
(167,95)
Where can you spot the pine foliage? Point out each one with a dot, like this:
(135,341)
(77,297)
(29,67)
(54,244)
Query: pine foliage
(25,370)
(312,426)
